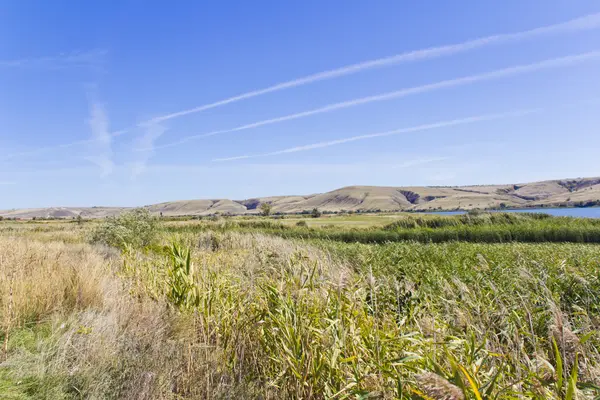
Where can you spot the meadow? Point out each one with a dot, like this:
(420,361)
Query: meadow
(347,307)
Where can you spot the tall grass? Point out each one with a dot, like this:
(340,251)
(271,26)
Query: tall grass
(481,228)
(229,314)
(476,234)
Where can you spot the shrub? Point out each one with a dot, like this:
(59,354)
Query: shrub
(315,213)
(265,209)
(136,228)
(302,224)
(475,212)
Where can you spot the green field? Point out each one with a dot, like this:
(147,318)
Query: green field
(479,228)
(347,307)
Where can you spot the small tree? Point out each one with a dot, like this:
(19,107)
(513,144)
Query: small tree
(265,209)
(79,219)
(315,213)
(137,228)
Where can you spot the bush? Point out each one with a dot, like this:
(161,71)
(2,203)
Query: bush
(265,209)
(302,224)
(136,228)
(475,212)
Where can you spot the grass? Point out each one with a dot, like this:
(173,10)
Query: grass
(224,310)
(481,228)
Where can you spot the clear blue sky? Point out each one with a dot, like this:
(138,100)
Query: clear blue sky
(90,91)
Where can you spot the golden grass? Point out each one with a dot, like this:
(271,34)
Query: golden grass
(272,318)
(38,279)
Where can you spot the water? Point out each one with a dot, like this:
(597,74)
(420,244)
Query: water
(588,212)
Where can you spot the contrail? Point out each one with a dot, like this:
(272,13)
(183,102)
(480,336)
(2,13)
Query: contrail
(60,146)
(585,23)
(418,128)
(588,22)
(501,73)
(75,59)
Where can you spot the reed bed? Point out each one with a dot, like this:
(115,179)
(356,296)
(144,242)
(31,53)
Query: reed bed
(231,312)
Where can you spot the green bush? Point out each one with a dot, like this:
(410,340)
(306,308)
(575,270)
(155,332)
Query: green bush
(136,228)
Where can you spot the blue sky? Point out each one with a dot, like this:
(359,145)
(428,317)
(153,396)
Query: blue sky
(137,102)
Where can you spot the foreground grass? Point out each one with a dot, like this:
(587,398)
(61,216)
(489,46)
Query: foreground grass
(245,315)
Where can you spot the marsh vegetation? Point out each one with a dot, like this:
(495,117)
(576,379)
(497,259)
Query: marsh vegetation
(258,308)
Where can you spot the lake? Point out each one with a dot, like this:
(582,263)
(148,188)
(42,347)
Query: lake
(588,212)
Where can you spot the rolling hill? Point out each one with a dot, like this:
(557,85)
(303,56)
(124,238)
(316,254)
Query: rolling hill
(363,198)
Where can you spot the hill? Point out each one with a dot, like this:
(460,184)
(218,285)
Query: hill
(568,192)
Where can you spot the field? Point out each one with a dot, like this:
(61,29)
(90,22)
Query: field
(348,307)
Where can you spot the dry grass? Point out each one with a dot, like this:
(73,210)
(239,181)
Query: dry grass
(265,317)
(73,330)
(40,279)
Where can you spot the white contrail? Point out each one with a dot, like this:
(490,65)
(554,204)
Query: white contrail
(501,73)
(418,128)
(60,146)
(91,58)
(584,23)
(588,22)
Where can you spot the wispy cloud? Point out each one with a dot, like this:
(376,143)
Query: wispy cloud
(497,74)
(146,141)
(82,59)
(413,129)
(282,169)
(587,22)
(47,149)
(100,145)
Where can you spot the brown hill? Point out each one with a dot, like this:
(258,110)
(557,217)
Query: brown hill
(364,198)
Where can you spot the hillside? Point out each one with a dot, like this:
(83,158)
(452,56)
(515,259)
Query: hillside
(363,198)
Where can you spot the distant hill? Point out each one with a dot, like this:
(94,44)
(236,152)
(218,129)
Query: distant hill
(364,198)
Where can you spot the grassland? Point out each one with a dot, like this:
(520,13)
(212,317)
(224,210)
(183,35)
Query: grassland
(477,227)
(247,308)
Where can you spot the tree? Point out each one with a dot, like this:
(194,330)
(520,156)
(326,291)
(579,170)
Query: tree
(79,219)
(265,209)
(315,213)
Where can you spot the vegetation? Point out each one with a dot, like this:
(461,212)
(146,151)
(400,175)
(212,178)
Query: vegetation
(265,209)
(479,228)
(219,309)
(136,228)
